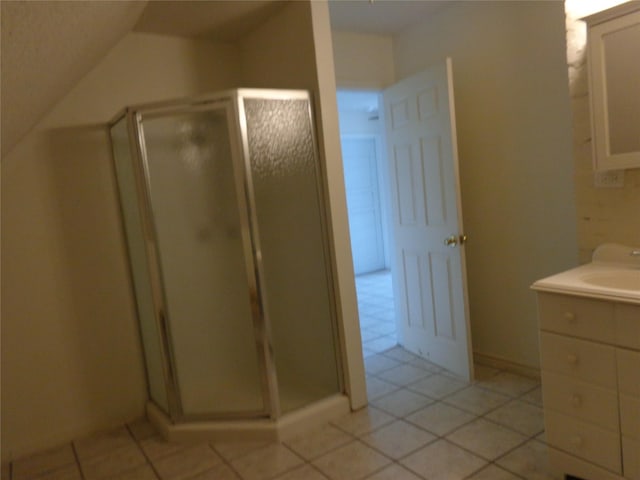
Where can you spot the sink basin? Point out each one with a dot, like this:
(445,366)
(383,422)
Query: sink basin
(621,279)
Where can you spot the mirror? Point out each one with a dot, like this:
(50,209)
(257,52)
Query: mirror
(614,86)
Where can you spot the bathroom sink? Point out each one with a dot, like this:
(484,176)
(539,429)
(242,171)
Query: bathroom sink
(613,274)
(620,279)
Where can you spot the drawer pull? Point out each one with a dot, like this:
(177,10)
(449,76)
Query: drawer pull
(572,358)
(576,441)
(570,317)
(576,400)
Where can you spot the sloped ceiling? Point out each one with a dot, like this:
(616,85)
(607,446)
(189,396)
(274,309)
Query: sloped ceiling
(225,21)
(47,46)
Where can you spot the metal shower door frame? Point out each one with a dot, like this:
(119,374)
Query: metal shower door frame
(136,117)
(232,102)
(321,189)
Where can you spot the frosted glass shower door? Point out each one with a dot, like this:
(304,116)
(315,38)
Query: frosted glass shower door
(289,212)
(131,215)
(199,223)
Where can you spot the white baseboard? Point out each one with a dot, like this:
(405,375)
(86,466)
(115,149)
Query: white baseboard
(507,365)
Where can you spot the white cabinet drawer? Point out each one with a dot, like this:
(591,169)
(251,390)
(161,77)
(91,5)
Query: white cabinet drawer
(591,319)
(582,400)
(631,458)
(584,440)
(581,359)
(630,416)
(628,372)
(627,325)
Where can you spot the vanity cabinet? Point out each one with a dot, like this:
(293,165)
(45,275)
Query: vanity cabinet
(590,364)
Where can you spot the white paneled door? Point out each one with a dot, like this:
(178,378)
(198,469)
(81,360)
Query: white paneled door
(363,202)
(429,270)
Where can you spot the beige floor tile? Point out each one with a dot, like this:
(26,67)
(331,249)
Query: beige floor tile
(425,365)
(476,400)
(70,472)
(442,460)
(378,363)
(368,352)
(377,388)
(486,439)
(352,461)
(492,472)
(383,343)
(483,372)
(403,375)
(400,354)
(306,472)
(112,463)
(509,384)
(144,472)
(236,449)
(519,416)
(401,402)
(187,463)
(363,421)
(367,335)
(266,462)
(156,447)
(103,442)
(398,439)
(219,472)
(46,461)
(529,461)
(534,396)
(440,418)
(142,429)
(394,472)
(438,386)
(317,442)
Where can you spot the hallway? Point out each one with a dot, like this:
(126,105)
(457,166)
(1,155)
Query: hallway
(377,312)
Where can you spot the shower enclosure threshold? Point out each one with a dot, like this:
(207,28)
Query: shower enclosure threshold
(289,425)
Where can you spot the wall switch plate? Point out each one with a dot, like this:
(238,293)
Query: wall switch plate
(609,179)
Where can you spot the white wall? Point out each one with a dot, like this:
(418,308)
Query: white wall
(603,214)
(71,359)
(514,137)
(363,61)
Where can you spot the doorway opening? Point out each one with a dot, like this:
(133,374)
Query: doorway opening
(405,216)
(366,185)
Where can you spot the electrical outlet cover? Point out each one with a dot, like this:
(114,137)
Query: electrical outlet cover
(609,179)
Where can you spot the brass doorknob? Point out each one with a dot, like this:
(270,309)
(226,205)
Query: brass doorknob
(451,241)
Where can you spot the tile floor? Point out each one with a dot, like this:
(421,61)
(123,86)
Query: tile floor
(377,313)
(421,423)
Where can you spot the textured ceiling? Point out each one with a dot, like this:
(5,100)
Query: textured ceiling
(222,20)
(47,46)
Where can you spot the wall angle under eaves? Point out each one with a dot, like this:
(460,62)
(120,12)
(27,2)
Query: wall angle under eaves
(47,47)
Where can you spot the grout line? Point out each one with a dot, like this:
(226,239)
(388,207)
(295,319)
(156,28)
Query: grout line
(78,464)
(144,454)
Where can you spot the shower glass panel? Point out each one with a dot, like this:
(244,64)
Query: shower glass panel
(222,202)
(286,193)
(198,228)
(130,208)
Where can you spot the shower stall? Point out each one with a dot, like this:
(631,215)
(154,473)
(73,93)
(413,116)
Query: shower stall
(222,202)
